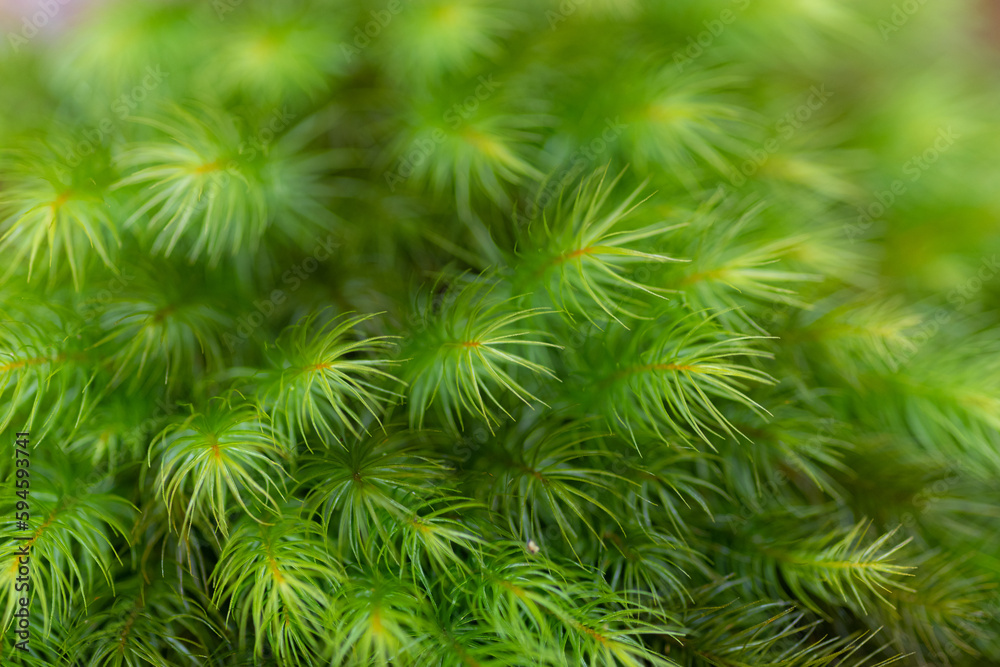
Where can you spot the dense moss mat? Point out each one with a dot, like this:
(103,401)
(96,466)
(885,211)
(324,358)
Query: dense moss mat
(426,332)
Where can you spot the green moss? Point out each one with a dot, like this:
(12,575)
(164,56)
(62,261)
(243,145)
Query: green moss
(439,332)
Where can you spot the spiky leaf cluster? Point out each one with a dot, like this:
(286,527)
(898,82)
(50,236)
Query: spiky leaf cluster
(497,333)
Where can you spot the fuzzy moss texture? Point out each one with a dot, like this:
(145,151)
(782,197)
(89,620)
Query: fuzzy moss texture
(492,333)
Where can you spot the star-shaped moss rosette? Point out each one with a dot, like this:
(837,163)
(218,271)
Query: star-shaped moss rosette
(499,333)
